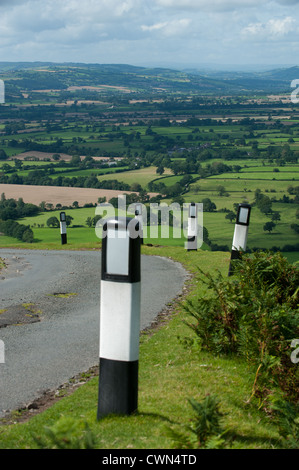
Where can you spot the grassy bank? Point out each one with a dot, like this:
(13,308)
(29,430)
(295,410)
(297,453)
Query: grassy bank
(169,375)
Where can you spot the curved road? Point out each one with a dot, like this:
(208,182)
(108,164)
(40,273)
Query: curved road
(43,355)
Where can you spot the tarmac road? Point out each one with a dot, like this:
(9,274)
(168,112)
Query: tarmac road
(65,340)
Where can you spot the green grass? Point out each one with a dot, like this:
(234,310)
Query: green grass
(257,237)
(232,183)
(169,374)
(79,216)
(240,190)
(262,175)
(220,229)
(143,176)
(79,235)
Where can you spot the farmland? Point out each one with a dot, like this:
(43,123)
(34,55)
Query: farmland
(61,145)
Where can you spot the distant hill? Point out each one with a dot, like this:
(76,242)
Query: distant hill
(45,75)
(288,74)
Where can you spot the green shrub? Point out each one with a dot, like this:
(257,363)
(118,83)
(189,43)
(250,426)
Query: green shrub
(287,419)
(12,228)
(205,430)
(253,314)
(66,433)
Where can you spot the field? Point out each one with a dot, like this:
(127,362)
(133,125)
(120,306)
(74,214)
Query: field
(142,176)
(56,195)
(87,141)
(239,188)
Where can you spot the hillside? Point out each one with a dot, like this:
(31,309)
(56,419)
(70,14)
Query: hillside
(44,75)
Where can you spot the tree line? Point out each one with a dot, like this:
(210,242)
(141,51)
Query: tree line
(10,210)
(16,209)
(41,178)
(14,229)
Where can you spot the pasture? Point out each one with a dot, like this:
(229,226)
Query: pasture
(141,176)
(259,144)
(239,187)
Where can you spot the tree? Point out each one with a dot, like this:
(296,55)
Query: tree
(275,216)
(28,235)
(53,222)
(160,170)
(136,187)
(68,220)
(95,220)
(221,191)
(18,164)
(75,161)
(230,216)
(3,155)
(196,188)
(178,199)
(264,204)
(269,226)
(92,221)
(89,222)
(295,227)
(208,205)
(6,168)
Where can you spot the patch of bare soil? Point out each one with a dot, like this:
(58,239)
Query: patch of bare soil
(19,315)
(57,194)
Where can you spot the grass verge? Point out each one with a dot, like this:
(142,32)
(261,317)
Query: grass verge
(169,375)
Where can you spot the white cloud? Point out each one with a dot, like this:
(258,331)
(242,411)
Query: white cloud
(114,30)
(168,28)
(272,29)
(281,27)
(66,21)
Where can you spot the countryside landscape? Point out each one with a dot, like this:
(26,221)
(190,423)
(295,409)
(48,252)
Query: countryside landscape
(154,135)
(75,135)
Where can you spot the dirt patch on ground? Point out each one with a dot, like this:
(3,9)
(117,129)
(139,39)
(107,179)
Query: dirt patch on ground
(19,315)
(57,194)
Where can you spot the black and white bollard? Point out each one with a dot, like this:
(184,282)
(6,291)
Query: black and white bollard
(240,233)
(63,228)
(192,227)
(119,317)
(138,216)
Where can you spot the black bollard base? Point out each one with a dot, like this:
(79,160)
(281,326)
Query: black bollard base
(234,255)
(192,244)
(63,239)
(118,387)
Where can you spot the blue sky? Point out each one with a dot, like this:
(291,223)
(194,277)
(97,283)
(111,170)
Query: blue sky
(177,33)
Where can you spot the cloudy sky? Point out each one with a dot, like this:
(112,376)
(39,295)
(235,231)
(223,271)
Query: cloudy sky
(183,33)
